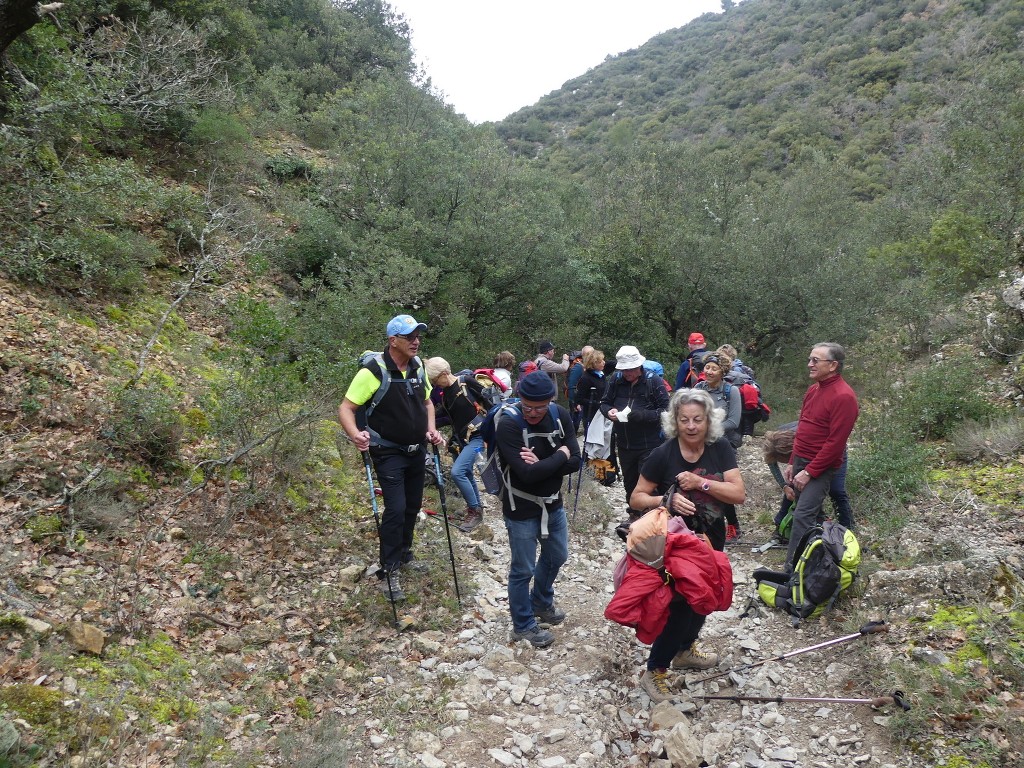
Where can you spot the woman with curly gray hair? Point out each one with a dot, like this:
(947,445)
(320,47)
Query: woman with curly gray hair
(699,461)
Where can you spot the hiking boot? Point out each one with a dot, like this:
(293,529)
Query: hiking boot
(732,534)
(553,615)
(474,519)
(539,638)
(395,592)
(694,658)
(655,683)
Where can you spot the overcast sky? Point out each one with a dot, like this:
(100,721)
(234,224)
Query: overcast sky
(490,58)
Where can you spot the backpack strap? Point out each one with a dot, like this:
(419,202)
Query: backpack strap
(513,493)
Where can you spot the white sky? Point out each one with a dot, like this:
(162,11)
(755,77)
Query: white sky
(490,58)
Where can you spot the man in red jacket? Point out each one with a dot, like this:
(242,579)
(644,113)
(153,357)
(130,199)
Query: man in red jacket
(826,420)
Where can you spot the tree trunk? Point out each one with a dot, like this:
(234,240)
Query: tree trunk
(16,18)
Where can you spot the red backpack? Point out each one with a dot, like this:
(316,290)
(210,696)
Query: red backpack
(751,396)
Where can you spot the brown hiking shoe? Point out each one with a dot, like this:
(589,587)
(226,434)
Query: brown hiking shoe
(656,684)
(694,658)
(474,518)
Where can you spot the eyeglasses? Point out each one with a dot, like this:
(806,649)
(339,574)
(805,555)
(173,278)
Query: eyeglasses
(410,337)
(534,408)
(816,360)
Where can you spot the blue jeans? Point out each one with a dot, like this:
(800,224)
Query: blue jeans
(462,471)
(523,539)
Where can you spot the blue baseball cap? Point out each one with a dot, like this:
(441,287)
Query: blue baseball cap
(403,325)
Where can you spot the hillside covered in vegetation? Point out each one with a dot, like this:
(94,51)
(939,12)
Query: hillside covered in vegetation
(209,208)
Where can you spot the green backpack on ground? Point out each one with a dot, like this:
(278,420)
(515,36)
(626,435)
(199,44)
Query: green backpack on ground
(826,564)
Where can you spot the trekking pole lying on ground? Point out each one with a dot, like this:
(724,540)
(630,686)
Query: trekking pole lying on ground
(444,512)
(881,701)
(376,519)
(871,628)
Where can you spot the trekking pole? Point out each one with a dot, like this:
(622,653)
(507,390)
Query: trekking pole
(896,698)
(871,628)
(444,513)
(376,519)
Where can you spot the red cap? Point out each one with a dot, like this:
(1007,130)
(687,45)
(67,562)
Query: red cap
(696,338)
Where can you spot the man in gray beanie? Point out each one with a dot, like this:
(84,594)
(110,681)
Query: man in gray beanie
(537,447)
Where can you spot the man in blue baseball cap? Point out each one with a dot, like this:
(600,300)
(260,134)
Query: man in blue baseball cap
(392,394)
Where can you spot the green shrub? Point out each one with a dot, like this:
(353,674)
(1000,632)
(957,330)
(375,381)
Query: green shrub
(887,466)
(937,399)
(285,167)
(145,422)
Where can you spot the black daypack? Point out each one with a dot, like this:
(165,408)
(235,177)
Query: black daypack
(826,564)
(363,412)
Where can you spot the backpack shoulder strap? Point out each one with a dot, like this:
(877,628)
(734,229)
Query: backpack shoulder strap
(381,372)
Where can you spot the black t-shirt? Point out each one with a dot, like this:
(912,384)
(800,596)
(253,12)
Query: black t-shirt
(666,461)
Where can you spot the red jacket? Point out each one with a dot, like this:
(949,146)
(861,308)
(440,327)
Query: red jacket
(702,575)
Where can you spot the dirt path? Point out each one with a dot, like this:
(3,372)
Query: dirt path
(472,698)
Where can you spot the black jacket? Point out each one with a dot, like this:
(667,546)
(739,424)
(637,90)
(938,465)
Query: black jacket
(647,398)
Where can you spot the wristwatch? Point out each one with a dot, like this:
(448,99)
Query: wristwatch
(706,486)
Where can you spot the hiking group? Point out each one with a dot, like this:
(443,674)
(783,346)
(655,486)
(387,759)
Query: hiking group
(674,448)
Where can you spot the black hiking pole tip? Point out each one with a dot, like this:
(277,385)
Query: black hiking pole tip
(579,476)
(376,519)
(871,628)
(444,513)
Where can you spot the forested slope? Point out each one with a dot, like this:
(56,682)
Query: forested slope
(209,208)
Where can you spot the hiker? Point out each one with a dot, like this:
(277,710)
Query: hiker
(827,417)
(537,453)
(572,378)
(700,462)
(590,387)
(525,369)
(546,362)
(395,432)
(503,364)
(689,371)
(737,365)
(633,401)
(462,400)
(777,448)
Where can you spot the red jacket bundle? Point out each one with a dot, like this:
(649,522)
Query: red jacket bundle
(700,574)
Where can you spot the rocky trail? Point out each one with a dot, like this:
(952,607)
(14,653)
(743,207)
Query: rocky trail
(578,703)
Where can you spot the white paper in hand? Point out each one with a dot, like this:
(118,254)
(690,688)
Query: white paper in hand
(623,415)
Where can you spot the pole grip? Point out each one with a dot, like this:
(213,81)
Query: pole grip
(874,627)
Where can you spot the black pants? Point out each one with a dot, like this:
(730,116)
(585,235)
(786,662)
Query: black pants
(684,624)
(630,462)
(401,480)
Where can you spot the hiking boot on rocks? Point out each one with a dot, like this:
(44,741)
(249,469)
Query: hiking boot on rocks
(656,684)
(732,534)
(694,658)
(395,591)
(538,638)
(474,519)
(553,615)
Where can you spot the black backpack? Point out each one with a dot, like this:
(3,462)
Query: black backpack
(826,563)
